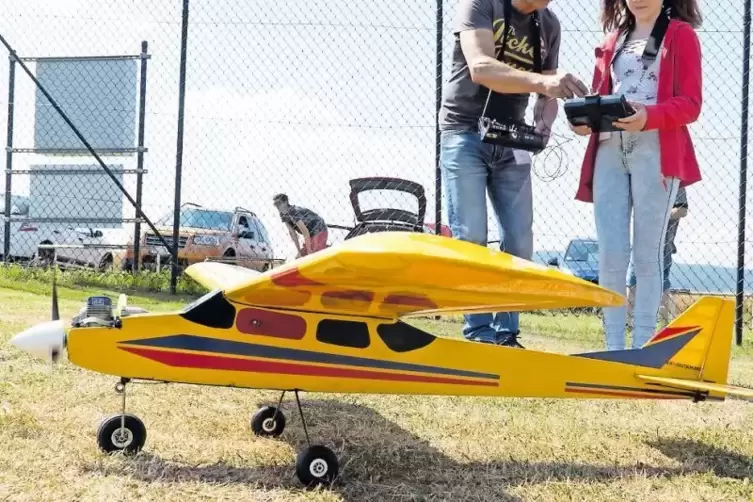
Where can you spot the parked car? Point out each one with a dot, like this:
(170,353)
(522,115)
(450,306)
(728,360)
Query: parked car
(581,259)
(80,246)
(236,236)
(383,219)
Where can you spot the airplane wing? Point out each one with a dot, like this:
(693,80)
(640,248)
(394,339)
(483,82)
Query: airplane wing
(696,385)
(214,275)
(394,274)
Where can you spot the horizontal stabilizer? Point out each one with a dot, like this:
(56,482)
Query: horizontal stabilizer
(214,275)
(703,386)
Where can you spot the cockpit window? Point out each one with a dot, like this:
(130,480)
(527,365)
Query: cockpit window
(212,310)
(402,337)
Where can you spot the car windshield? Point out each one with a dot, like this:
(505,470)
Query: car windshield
(200,218)
(586,251)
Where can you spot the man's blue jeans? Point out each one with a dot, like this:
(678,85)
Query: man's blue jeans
(470,170)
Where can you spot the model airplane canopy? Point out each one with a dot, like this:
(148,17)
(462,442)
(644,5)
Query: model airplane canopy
(394,274)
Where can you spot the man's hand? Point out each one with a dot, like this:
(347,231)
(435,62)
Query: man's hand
(678,212)
(563,85)
(583,130)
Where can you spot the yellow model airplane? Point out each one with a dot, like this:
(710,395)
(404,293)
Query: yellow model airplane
(330,322)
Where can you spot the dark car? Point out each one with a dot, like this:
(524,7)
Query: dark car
(581,259)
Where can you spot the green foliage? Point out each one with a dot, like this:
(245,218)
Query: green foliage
(32,279)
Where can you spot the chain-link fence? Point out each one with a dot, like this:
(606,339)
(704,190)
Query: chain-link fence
(333,104)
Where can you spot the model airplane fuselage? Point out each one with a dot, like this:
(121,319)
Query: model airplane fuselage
(331,323)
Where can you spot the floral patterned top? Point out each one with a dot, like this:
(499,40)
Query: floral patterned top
(630,78)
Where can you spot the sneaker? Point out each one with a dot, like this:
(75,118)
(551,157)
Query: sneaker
(509,340)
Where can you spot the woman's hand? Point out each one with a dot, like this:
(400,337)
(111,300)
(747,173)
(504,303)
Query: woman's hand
(635,122)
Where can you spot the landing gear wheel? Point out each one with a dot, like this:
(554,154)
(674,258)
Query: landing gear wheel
(111,438)
(316,465)
(268,421)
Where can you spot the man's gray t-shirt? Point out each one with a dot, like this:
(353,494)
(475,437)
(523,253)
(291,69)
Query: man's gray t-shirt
(312,221)
(463,99)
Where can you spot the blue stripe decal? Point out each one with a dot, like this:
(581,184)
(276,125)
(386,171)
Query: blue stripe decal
(219,346)
(653,356)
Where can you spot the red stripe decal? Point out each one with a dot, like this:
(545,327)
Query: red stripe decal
(353,295)
(622,394)
(669,332)
(350,300)
(185,360)
(409,300)
(293,278)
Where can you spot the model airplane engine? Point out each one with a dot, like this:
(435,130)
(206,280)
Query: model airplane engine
(97,311)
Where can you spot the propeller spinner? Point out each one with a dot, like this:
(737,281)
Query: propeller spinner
(46,340)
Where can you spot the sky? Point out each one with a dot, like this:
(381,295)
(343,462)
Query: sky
(286,96)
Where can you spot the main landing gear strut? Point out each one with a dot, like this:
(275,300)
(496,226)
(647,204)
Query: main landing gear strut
(315,464)
(123,431)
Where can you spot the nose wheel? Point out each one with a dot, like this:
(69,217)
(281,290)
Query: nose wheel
(122,432)
(315,464)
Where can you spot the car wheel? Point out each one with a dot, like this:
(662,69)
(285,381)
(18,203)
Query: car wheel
(228,256)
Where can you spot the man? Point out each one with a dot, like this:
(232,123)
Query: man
(301,220)
(470,167)
(666,311)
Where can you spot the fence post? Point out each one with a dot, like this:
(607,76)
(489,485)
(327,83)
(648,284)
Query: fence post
(140,158)
(179,150)
(743,178)
(9,158)
(437,134)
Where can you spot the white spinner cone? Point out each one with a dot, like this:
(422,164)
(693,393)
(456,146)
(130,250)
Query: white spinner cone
(45,341)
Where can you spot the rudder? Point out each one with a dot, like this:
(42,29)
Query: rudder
(694,346)
(706,329)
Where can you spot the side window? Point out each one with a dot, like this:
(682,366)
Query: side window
(243,227)
(262,231)
(352,334)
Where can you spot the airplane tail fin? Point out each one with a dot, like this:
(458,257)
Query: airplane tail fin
(691,353)
(701,341)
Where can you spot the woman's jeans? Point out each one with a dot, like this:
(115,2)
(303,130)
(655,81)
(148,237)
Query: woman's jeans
(627,177)
(470,170)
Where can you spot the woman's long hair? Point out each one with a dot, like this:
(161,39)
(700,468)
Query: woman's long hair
(616,15)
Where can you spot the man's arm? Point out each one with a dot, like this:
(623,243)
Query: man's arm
(678,212)
(680,209)
(486,70)
(478,48)
(294,237)
(306,235)
(545,112)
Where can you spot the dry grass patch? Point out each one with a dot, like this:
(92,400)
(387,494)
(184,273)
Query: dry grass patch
(200,447)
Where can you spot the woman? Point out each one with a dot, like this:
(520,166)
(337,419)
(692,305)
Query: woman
(640,167)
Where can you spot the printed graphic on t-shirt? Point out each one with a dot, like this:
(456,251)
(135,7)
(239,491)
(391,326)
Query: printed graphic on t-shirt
(520,47)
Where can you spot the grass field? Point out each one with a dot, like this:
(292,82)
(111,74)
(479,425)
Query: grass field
(200,447)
